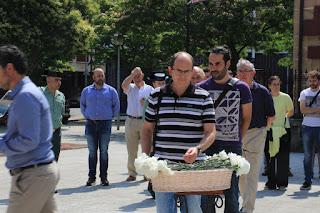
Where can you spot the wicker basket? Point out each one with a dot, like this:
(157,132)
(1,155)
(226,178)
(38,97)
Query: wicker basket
(189,181)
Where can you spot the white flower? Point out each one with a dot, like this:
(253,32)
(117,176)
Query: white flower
(223,155)
(150,166)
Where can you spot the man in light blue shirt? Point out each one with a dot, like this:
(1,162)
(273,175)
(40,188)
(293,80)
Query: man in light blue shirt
(99,104)
(27,143)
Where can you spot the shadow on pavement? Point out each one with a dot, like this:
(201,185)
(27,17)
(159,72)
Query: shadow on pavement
(304,194)
(85,189)
(147,203)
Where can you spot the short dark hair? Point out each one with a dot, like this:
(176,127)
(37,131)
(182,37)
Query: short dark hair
(273,78)
(223,50)
(12,54)
(314,74)
(176,55)
(206,69)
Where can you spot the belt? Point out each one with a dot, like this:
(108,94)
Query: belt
(97,121)
(134,117)
(18,170)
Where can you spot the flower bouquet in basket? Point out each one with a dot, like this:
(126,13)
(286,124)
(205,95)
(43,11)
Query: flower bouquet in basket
(213,173)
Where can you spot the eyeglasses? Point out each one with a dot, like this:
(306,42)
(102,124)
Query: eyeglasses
(244,71)
(186,72)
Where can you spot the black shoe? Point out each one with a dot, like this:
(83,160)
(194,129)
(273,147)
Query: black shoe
(91,181)
(265,173)
(305,186)
(104,182)
(55,191)
(290,174)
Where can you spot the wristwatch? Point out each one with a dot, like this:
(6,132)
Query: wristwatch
(199,150)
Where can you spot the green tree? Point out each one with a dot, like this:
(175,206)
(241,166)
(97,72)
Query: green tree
(156,29)
(47,30)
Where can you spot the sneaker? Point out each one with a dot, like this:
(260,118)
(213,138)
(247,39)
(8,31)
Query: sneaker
(131,178)
(305,186)
(91,181)
(282,188)
(104,182)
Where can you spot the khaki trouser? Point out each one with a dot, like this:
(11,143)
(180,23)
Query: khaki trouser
(133,129)
(252,150)
(32,190)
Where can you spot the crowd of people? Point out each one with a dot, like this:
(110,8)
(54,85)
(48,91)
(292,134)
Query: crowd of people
(196,112)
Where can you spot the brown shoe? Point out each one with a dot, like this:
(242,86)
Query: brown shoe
(104,182)
(131,178)
(91,181)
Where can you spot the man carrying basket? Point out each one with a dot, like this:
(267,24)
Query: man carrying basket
(183,117)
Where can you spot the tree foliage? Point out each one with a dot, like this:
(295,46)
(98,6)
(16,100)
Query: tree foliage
(47,30)
(156,29)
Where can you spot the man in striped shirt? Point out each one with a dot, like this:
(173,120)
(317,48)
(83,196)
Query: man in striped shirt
(185,124)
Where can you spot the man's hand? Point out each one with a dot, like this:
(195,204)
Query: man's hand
(142,101)
(191,155)
(136,71)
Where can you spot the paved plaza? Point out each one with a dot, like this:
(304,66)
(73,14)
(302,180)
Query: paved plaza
(122,196)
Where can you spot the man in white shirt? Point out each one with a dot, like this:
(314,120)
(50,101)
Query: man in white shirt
(310,129)
(135,92)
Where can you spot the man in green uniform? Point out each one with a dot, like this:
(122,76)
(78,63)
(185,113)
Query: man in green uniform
(56,101)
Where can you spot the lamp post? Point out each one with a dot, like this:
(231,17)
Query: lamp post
(119,42)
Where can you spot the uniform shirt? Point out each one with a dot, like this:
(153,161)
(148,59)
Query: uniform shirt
(99,104)
(262,106)
(57,106)
(29,132)
(180,120)
(133,98)
(228,113)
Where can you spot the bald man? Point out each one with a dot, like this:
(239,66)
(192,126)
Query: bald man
(197,76)
(99,104)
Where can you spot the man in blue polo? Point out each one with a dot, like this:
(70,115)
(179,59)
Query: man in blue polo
(27,142)
(263,113)
(99,104)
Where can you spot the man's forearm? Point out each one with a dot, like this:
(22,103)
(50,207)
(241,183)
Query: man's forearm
(208,138)
(146,140)
(270,120)
(309,110)
(126,82)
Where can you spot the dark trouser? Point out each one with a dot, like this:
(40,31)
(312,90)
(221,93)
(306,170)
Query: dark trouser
(56,143)
(231,194)
(278,166)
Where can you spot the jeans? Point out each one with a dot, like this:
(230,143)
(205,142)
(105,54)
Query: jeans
(309,135)
(98,135)
(231,194)
(166,203)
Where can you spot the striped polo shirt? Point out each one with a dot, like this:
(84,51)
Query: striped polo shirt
(180,120)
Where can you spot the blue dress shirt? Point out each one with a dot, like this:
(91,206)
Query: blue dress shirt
(28,137)
(99,104)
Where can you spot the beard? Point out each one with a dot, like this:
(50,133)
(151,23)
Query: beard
(221,75)
(99,82)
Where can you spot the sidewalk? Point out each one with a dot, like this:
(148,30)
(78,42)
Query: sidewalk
(122,196)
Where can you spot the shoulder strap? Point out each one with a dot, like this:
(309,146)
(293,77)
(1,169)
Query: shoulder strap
(157,117)
(229,86)
(314,98)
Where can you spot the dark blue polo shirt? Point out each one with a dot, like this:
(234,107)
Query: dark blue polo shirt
(262,106)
